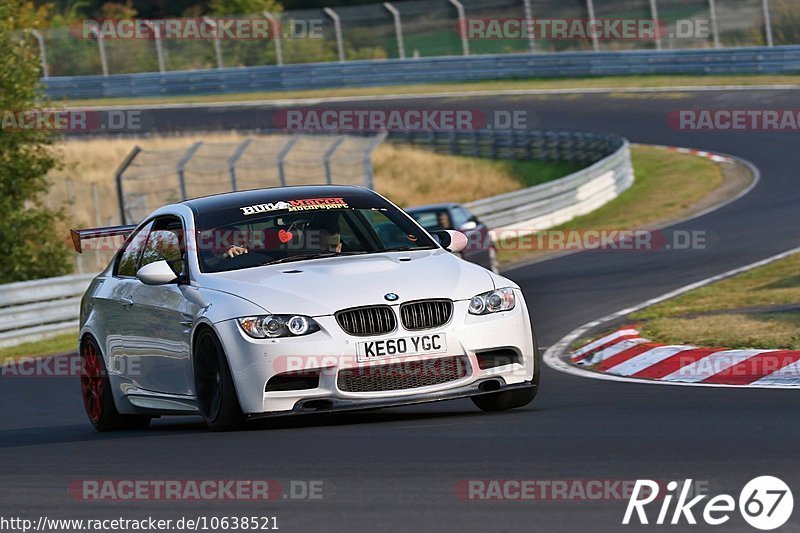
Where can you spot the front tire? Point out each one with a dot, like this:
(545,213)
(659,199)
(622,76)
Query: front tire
(96,391)
(216,393)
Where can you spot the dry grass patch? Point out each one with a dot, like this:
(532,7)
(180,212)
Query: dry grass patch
(761,331)
(774,284)
(410,176)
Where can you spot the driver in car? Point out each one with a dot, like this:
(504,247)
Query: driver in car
(323,233)
(230,238)
(328,241)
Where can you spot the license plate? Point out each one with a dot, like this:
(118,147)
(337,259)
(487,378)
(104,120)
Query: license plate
(419,345)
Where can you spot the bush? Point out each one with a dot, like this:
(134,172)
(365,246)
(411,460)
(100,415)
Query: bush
(30,244)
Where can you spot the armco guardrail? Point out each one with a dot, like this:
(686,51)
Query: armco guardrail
(549,204)
(33,310)
(546,205)
(755,60)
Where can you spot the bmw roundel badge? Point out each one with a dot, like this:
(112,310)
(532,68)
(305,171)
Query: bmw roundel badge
(392,297)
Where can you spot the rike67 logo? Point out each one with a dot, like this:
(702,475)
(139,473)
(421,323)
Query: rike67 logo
(765,503)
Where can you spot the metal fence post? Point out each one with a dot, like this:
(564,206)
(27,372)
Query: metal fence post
(181,167)
(654,15)
(337,28)
(98,220)
(101,45)
(398,29)
(118,179)
(595,41)
(767,23)
(281,157)
(237,154)
(96,204)
(159,48)
(529,25)
(42,52)
(275,30)
(462,23)
(328,155)
(217,45)
(369,177)
(712,8)
(71,202)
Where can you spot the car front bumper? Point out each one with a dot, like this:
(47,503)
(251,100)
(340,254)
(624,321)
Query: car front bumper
(254,362)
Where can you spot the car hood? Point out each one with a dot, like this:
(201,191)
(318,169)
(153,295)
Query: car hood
(323,286)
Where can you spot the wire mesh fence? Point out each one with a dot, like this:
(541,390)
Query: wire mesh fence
(427,28)
(156,177)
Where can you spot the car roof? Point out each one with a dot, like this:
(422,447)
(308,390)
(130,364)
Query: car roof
(432,207)
(216,202)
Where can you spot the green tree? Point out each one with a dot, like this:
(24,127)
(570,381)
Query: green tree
(786,21)
(31,245)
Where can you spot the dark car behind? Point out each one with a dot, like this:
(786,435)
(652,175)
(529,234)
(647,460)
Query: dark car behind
(452,216)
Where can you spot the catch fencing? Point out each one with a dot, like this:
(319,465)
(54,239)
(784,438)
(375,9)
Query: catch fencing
(150,178)
(777,60)
(412,29)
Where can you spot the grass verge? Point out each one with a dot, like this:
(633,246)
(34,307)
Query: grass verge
(66,343)
(757,309)
(668,186)
(613,82)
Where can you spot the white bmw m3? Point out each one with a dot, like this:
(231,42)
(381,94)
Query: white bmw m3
(295,300)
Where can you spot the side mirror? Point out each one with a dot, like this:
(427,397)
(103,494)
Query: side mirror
(158,273)
(468,226)
(453,241)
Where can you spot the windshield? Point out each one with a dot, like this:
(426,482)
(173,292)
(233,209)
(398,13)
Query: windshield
(297,230)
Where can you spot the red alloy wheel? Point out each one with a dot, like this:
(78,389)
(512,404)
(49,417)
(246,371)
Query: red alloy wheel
(92,380)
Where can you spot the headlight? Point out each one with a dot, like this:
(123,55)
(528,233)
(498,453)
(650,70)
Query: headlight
(492,302)
(274,326)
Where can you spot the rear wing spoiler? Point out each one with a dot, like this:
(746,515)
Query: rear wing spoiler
(79,235)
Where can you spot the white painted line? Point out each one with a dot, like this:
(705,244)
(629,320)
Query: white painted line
(553,356)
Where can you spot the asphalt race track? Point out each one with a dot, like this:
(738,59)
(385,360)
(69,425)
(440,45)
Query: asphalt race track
(396,470)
